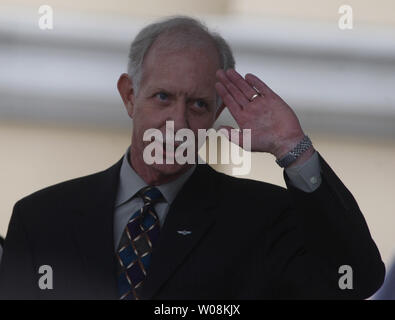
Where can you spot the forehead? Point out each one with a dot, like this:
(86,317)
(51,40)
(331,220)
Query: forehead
(188,66)
(175,43)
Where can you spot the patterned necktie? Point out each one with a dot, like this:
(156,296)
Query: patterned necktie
(136,245)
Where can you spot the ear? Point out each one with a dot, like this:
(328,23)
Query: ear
(125,88)
(219,111)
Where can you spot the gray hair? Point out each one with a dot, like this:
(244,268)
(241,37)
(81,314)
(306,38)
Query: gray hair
(185,32)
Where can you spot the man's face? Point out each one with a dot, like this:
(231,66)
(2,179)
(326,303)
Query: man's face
(176,85)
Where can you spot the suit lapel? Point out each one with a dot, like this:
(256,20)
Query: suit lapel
(191,211)
(93,232)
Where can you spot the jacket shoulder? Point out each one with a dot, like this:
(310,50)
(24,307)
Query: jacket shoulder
(67,194)
(59,190)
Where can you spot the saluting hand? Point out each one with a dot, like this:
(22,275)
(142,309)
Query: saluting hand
(274,126)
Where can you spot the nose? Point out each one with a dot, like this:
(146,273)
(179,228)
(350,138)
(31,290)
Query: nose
(179,115)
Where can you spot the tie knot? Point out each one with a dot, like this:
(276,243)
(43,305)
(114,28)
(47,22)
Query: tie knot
(151,195)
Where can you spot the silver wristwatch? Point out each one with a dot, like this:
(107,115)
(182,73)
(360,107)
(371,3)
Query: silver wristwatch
(292,155)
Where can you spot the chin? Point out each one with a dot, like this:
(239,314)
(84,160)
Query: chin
(170,169)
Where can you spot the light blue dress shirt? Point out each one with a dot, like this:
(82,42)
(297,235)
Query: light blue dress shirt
(127,202)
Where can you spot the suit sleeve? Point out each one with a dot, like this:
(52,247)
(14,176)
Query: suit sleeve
(17,274)
(315,236)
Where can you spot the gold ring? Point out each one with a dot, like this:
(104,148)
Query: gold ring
(254,96)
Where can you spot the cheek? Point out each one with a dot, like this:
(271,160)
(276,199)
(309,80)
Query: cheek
(148,117)
(142,122)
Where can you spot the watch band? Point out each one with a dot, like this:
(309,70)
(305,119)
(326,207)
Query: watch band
(292,155)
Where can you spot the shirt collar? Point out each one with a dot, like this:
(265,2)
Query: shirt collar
(130,183)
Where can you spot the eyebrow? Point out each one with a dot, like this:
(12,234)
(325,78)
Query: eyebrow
(203,97)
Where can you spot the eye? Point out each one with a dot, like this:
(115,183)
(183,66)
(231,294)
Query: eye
(162,96)
(201,104)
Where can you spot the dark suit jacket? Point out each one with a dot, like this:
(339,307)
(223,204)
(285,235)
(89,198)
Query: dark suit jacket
(249,240)
(387,291)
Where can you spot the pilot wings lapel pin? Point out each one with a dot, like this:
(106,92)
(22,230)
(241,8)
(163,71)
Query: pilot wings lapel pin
(184,232)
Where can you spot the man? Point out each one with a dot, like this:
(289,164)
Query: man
(184,231)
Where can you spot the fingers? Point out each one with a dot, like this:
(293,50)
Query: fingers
(241,83)
(236,91)
(228,100)
(233,88)
(259,84)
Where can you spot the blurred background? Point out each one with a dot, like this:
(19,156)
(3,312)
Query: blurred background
(61,116)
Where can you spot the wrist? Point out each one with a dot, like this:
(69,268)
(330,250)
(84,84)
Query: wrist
(298,153)
(303,157)
(287,145)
